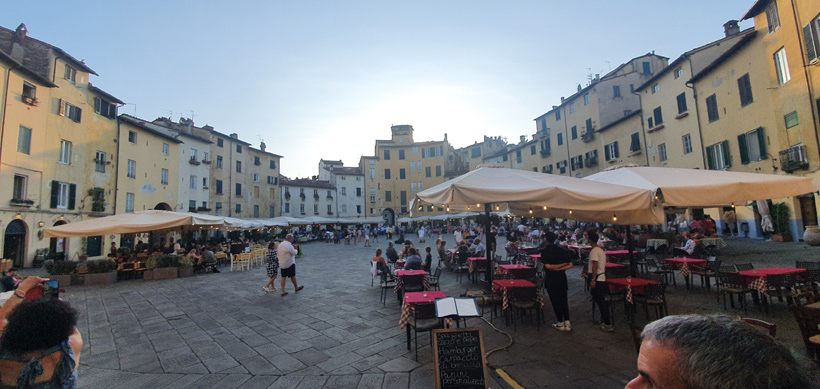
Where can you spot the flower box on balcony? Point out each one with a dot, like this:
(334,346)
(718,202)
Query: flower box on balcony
(30,100)
(203,209)
(205,161)
(193,162)
(21,202)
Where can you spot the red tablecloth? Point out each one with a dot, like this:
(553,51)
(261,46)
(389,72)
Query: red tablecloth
(610,265)
(472,260)
(685,265)
(504,269)
(756,278)
(636,285)
(413,298)
(402,273)
(534,257)
(409,272)
(616,252)
(400,264)
(504,285)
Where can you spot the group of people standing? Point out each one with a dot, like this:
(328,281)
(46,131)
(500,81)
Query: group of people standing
(282,259)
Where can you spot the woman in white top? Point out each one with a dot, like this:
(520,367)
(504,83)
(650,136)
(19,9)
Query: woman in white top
(597,271)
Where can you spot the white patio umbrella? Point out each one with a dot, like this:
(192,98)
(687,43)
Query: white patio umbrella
(292,221)
(404,220)
(127,223)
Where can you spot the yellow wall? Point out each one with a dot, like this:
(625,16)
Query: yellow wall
(147,187)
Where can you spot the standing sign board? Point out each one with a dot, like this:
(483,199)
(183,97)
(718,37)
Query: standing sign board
(458,358)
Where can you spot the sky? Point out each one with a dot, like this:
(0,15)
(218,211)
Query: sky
(325,79)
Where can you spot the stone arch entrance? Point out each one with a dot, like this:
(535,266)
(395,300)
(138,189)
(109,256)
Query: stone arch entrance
(59,246)
(14,242)
(389,216)
(163,207)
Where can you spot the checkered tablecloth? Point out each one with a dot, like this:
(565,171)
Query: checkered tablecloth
(506,304)
(472,267)
(684,270)
(399,284)
(629,294)
(760,285)
(408,310)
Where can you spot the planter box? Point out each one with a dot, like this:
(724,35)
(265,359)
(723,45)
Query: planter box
(165,273)
(186,272)
(100,279)
(148,275)
(64,280)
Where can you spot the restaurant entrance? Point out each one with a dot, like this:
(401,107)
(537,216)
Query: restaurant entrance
(14,243)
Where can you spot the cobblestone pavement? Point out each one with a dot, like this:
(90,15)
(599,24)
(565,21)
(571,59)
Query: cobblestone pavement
(223,331)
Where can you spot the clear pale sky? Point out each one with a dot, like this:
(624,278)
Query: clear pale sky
(325,79)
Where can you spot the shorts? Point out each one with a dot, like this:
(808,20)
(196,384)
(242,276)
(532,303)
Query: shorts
(289,272)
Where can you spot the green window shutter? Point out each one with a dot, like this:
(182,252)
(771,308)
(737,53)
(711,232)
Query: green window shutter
(727,158)
(607,156)
(808,38)
(55,193)
(761,140)
(616,149)
(710,159)
(72,195)
(744,154)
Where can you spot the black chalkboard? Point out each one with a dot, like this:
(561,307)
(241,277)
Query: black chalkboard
(458,358)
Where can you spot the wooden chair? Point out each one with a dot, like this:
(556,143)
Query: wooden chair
(241,261)
(770,328)
(259,256)
(221,258)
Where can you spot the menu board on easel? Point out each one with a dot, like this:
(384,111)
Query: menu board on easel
(458,358)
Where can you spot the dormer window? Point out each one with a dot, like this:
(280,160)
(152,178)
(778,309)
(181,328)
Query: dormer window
(70,73)
(104,108)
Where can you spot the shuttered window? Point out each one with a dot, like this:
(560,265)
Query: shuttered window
(712,108)
(682,103)
(24,140)
(744,86)
(752,146)
(717,156)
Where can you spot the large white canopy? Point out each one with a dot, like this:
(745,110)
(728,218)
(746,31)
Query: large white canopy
(703,188)
(129,223)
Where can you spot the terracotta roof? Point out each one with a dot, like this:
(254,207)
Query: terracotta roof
(306,182)
(757,8)
(104,94)
(724,57)
(23,69)
(347,171)
(150,127)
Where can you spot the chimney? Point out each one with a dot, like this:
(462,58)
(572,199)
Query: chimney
(731,28)
(579,87)
(523,138)
(18,50)
(262,146)
(562,99)
(234,136)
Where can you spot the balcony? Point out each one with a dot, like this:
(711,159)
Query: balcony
(316,197)
(588,136)
(794,158)
(21,202)
(330,197)
(591,161)
(30,100)
(205,161)
(193,161)
(546,152)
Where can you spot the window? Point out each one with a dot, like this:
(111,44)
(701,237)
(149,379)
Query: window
(344,191)
(576,163)
(532,151)
(272,193)
(255,211)
(791,119)
(678,72)
(412,166)
(574,132)
(70,73)
(20,187)
(712,108)
(165,148)
(239,166)
(557,115)
(386,155)
(662,152)
(371,162)
(658,116)
(403,198)
(682,103)
(220,142)
(611,151)
(24,140)
(205,156)
(572,107)
(401,154)
(616,91)
(329,209)
(257,161)
(218,186)
(752,146)
(255,177)
(29,91)
(656,88)
(418,167)
(372,174)
(129,202)
(204,182)
(811,33)
(717,156)
(272,180)
(402,174)
(438,171)
(413,187)
(372,195)
(343,208)
(386,174)
(506,157)
(388,196)
(272,211)
(238,190)
(164,177)
(518,156)
(239,149)
(401,139)
(428,172)
(100,162)
(562,166)
(63,195)
(132,137)
(744,86)
(315,209)
(560,141)
(191,205)
(781,64)
(687,144)
(586,98)
(72,112)
(65,153)
(650,122)
(588,125)
(192,183)
(772,17)
(132,168)
(647,68)
(105,108)
(547,169)
(475,152)
(219,162)
(272,164)
(635,145)
(238,210)
(359,209)
(415,150)
(287,207)
(193,154)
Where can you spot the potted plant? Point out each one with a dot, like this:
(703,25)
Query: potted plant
(186,267)
(100,272)
(150,265)
(62,271)
(780,221)
(166,267)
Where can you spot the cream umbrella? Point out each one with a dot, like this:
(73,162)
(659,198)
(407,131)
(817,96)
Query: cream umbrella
(129,223)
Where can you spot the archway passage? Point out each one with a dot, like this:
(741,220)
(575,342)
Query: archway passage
(389,216)
(14,243)
(58,245)
(163,207)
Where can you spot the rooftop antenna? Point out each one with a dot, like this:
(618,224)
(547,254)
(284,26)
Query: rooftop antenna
(170,114)
(135,110)
(589,76)
(192,114)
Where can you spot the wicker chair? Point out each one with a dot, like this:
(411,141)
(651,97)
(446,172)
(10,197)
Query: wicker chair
(732,284)
(654,295)
(710,271)
(523,300)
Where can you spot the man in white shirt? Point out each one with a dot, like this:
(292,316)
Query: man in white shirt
(287,262)
(457,235)
(597,283)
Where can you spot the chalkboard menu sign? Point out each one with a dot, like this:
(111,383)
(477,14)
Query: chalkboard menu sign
(458,358)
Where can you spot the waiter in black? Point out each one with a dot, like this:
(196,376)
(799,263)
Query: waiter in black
(556,262)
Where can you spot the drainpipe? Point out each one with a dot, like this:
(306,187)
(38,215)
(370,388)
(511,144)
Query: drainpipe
(566,140)
(116,168)
(697,115)
(643,131)
(806,74)
(5,103)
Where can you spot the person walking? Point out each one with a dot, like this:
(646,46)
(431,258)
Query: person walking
(272,268)
(287,263)
(597,270)
(556,262)
(366,237)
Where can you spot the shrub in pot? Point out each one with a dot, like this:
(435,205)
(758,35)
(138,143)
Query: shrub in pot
(100,272)
(62,271)
(150,265)
(167,266)
(186,267)
(780,221)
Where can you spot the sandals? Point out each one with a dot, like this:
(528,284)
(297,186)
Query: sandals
(284,293)
(300,288)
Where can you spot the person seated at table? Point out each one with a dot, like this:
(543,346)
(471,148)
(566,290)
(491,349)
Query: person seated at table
(391,253)
(381,265)
(428,260)
(688,247)
(462,253)
(442,252)
(405,252)
(477,248)
(413,261)
(697,225)
(709,228)
(10,279)
(206,258)
(697,351)
(192,255)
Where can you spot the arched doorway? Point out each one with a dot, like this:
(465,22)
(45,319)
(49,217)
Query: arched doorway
(14,243)
(58,245)
(163,207)
(389,216)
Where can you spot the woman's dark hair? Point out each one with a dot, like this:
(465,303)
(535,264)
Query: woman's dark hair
(38,324)
(271,245)
(593,236)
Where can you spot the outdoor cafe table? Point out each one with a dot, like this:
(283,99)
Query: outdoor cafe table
(504,285)
(717,242)
(402,273)
(684,265)
(616,254)
(408,307)
(631,285)
(655,243)
(518,271)
(472,260)
(756,278)
(534,257)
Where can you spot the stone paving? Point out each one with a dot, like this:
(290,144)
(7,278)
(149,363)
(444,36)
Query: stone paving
(223,331)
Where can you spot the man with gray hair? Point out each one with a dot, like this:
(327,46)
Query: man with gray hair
(287,262)
(696,351)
